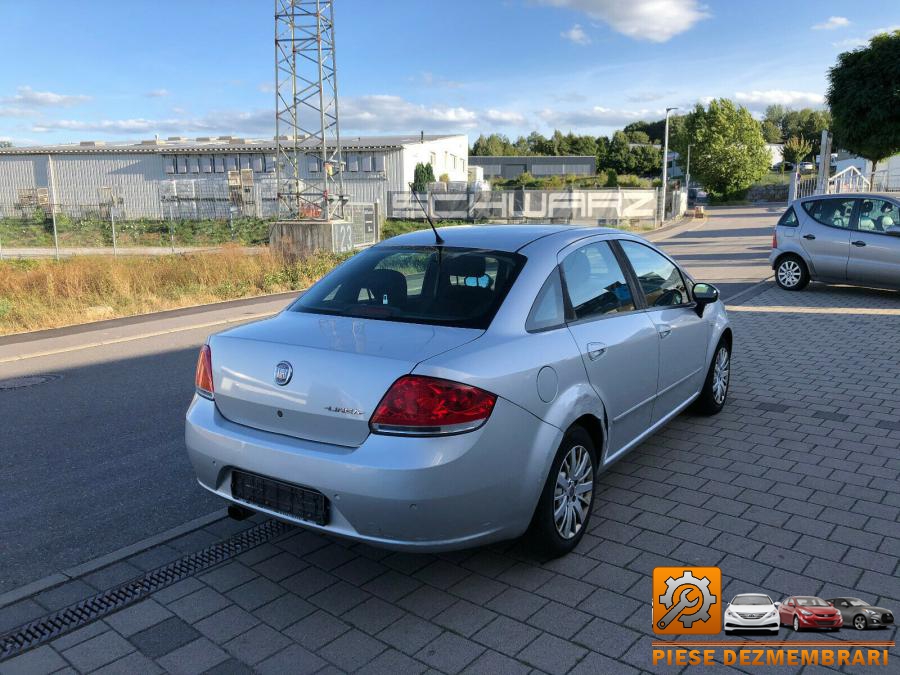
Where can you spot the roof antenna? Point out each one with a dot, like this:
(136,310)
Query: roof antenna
(438,239)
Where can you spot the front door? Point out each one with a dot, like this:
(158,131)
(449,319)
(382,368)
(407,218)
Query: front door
(683,335)
(619,344)
(825,235)
(874,251)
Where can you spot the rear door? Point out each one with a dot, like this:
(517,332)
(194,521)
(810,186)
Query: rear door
(825,235)
(683,336)
(874,252)
(618,342)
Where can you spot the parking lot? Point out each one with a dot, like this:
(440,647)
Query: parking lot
(791,490)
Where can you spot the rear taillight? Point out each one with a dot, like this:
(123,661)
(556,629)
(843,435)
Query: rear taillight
(774,238)
(427,406)
(203,380)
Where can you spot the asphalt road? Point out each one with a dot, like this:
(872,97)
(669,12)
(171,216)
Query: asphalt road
(94,460)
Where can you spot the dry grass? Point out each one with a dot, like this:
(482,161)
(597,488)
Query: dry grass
(37,294)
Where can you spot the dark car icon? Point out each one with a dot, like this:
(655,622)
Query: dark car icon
(806,611)
(861,615)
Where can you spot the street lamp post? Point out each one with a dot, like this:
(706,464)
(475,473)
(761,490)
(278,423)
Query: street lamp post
(665,167)
(687,170)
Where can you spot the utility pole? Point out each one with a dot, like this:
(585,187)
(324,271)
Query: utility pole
(665,168)
(687,170)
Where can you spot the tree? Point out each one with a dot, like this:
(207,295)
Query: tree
(618,155)
(602,144)
(771,131)
(864,97)
(794,151)
(612,180)
(728,152)
(423,175)
(495,144)
(638,137)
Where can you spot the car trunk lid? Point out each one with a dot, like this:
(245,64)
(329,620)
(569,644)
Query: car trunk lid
(341,367)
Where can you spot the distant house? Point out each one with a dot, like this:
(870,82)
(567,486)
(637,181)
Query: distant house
(509,167)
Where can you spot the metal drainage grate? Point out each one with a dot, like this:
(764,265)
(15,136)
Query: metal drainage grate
(96,607)
(26,381)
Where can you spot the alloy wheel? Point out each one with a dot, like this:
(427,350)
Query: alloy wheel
(859,623)
(721,372)
(796,623)
(789,273)
(572,494)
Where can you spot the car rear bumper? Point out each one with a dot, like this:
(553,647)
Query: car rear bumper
(423,494)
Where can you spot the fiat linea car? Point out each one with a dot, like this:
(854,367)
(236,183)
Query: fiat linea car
(751,611)
(803,611)
(439,394)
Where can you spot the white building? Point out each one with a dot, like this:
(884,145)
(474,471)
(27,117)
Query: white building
(176,176)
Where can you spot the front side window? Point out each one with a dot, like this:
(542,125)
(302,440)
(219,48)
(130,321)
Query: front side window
(789,219)
(831,212)
(877,215)
(659,278)
(595,282)
(445,286)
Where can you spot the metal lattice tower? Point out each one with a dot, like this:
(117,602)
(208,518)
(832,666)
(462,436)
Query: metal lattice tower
(306,112)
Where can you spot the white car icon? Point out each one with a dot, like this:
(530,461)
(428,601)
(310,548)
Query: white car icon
(751,611)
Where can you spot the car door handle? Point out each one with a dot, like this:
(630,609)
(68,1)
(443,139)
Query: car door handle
(665,331)
(809,236)
(859,243)
(595,350)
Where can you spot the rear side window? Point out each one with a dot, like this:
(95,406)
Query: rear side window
(831,212)
(441,286)
(659,278)
(548,310)
(877,215)
(788,219)
(595,282)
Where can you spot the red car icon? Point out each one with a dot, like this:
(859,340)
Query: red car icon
(805,611)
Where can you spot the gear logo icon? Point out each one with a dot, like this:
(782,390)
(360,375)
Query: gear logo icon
(687,600)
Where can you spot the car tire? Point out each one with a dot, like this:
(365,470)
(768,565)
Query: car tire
(791,273)
(714,393)
(860,625)
(546,532)
(796,624)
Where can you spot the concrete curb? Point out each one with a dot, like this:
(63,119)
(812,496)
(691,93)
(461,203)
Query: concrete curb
(81,570)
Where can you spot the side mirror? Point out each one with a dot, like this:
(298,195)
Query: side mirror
(704,294)
(893,231)
(777,605)
(831,604)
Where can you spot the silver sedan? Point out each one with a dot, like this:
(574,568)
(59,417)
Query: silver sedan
(433,396)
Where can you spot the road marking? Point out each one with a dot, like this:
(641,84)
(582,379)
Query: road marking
(787,309)
(753,288)
(132,338)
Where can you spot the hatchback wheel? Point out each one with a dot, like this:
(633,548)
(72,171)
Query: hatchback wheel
(859,622)
(715,388)
(564,508)
(796,623)
(791,273)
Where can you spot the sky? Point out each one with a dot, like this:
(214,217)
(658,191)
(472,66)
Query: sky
(108,70)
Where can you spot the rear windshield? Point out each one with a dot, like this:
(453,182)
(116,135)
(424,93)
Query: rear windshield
(444,286)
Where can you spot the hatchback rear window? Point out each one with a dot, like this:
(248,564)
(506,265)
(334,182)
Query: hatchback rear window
(445,286)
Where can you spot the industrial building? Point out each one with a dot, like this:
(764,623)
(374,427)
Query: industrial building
(206,177)
(507,167)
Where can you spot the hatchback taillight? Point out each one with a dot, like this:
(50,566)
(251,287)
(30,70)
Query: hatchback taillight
(427,406)
(203,380)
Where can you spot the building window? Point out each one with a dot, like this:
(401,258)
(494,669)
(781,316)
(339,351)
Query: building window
(379,162)
(230,163)
(168,164)
(205,164)
(181,164)
(258,163)
(313,165)
(193,163)
(245,161)
(433,159)
(270,163)
(353,162)
(368,162)
(219,162)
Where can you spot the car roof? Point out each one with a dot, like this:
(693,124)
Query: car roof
(496,237)
(852,195)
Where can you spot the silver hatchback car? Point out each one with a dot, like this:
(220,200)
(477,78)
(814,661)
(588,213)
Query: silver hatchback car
(427,396)
(842,238)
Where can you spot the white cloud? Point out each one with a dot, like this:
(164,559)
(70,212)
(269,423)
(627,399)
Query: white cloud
(576,34)
(259,121)
(266,88)
(653,20)
(158,93)
(597,116)
(507,117)
(648,96)
(863,40)
(383,112)
(833,23)
(28,96)
(757,98)
(15,111)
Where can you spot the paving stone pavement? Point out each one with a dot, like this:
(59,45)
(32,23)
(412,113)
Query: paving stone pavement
(792,489)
